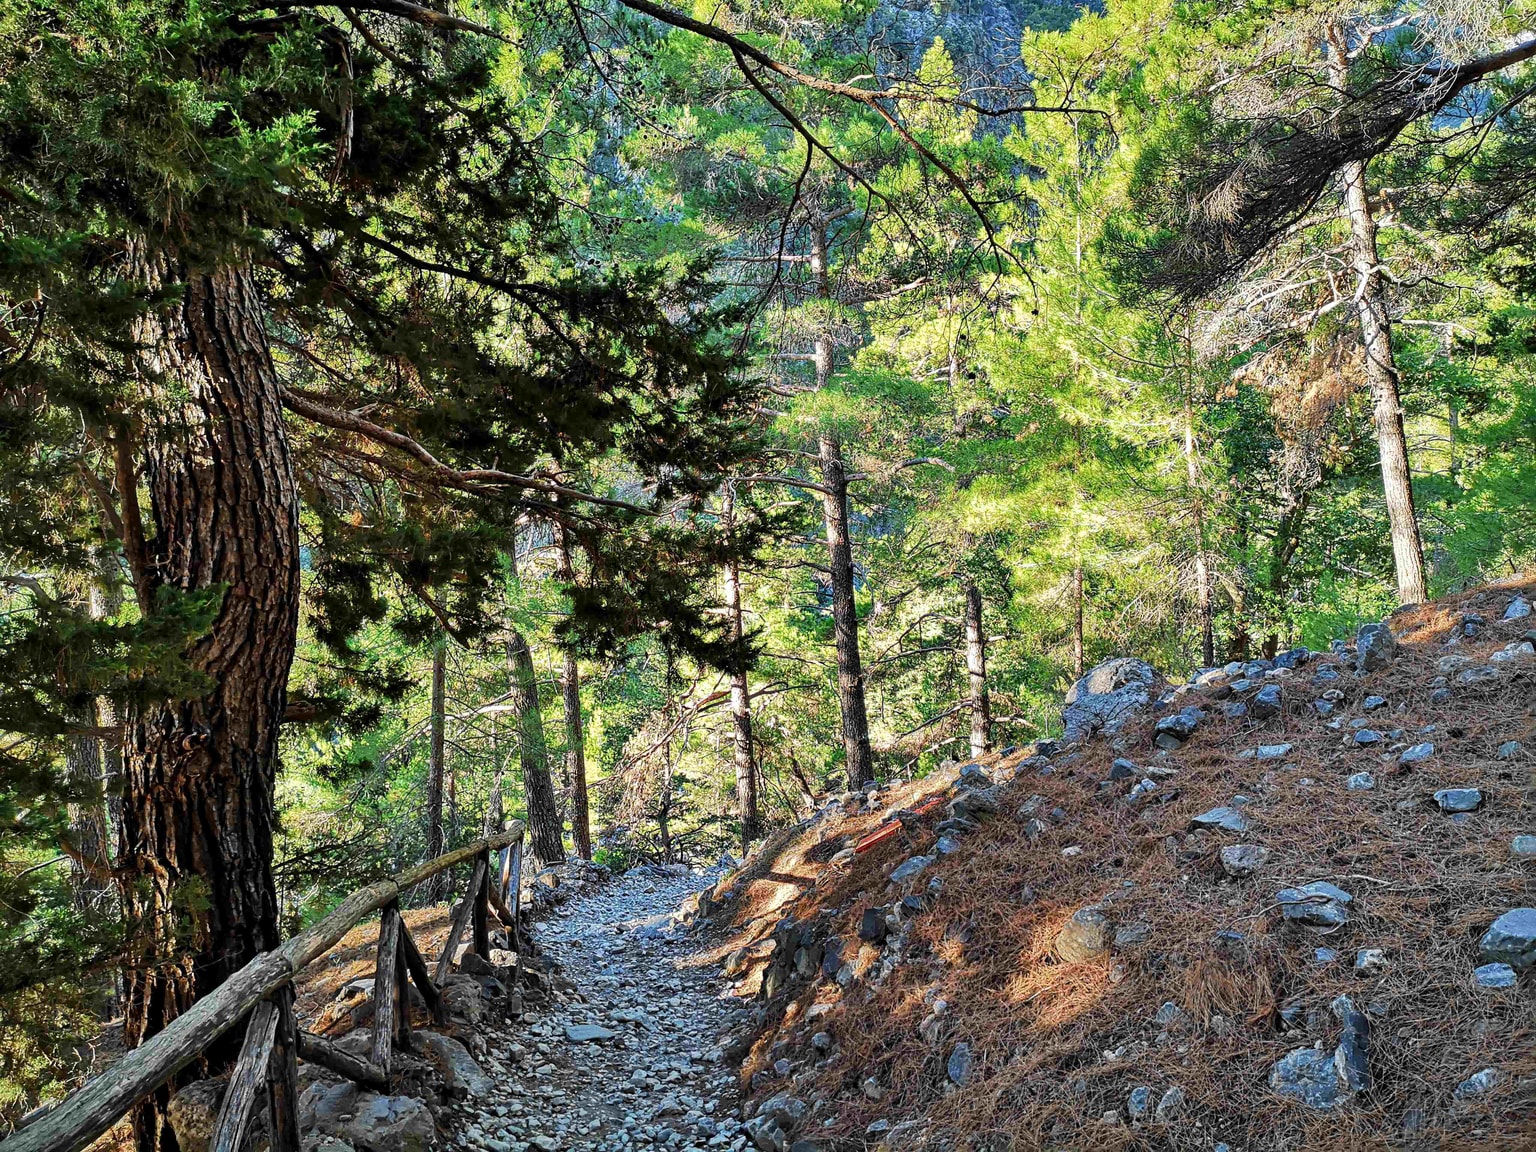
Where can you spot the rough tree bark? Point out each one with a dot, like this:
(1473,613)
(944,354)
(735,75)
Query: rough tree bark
(575,738)
(435,760)
(538,787)
(976,666)
(1380,364)
(741,702)
(845,619)
(197,811)
(92,764)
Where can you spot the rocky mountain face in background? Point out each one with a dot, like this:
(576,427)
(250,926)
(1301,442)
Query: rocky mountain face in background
(982,36)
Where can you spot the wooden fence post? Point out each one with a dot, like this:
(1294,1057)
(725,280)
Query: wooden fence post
(482,898)
(460,921)
(384,990)
(249,1076)
(283,1077)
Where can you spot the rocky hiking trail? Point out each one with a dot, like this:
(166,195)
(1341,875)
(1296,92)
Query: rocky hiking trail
(633,1057)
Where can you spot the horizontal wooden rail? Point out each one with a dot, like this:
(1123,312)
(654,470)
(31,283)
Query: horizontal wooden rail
(86,1113)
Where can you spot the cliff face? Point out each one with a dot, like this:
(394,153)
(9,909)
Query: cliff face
(982,36)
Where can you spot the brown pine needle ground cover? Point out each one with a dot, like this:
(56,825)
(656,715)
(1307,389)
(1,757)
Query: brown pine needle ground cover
(1057,1046)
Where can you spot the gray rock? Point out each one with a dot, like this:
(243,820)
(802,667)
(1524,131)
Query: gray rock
(1367,736)
(1351,1059)
(960,1065)
(367,1120)
(1308,1075)
(1327,674)
(787,1111)
(1266,703)
(1375,647)
(765,1134)
(1509,750)
(1360,782)
(1129,935)
(1477,675)
(1459,799)
(1323,707)
(872,926)
(1369,961)
(1182,724)
(1243,860)
(1139,1102)
(1227,818)
(1511,940)
(1478,1084)
(1084,937)
(1319,904)
(1523,847)
(910,869)
(1107,696)
(1371,703)
(588,1033)
(461,1075)
(1123,769)
(1416,753)
(1169,1013)
(1172,1105)
(1272,751)
(193,1111)
(1494,976)
(1519,608)
(947,846)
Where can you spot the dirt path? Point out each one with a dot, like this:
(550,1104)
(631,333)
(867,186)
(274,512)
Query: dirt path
(638,1065)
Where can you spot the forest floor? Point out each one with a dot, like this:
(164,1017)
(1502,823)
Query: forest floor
(1091,946)
(637,1060)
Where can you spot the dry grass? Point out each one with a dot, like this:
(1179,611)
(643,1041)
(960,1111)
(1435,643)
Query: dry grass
(1425,888)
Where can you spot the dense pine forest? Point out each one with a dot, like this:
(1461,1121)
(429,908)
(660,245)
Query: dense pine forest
(646,422)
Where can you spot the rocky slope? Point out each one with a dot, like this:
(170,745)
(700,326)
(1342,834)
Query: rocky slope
(1287,905)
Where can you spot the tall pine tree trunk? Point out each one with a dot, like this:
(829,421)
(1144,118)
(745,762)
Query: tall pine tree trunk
(1203,598)
(850,673)
(741,701)
(1380,364)
(91,763)
(976,666)
(575,738)
(538,787)
(845,618)
(436,736)
(197,810)
(1078,654)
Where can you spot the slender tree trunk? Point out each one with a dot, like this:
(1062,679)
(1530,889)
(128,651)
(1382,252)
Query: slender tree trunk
(976,666)
(845,620)
(1077,620)
(435,756)
(1203,598)
(1287,544)
(575,740)
(493,803)
(741,701)
(197,812)
(90,762)
(821,270)
(1380,364)
(538,787)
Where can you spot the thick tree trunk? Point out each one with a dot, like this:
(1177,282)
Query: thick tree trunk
(435,758)
(197,811)
(538,787)
(741,701)
(845,619)
(1203,598)
(976,668)
(575,738)
(1380,365)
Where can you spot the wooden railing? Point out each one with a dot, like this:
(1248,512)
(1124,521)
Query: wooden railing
(263,991)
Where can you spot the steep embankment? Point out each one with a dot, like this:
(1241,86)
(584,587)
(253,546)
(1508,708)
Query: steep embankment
(1103,945)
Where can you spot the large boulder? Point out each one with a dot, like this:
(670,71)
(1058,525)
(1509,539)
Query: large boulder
(1107,696)
(367,1121)
(193,1111)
